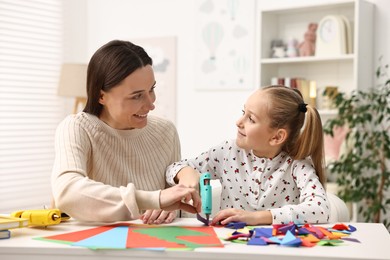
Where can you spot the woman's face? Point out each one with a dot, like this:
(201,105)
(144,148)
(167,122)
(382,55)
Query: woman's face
(126,106)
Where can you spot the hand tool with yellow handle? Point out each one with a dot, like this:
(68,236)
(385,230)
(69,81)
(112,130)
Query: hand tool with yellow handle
(40,217)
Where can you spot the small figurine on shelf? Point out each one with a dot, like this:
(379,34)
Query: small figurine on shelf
(278,49)
(292,48)
(308,46)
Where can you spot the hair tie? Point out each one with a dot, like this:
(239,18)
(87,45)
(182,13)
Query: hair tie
(302,107)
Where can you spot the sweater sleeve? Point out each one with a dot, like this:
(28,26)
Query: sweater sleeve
(313,204)
(82,197)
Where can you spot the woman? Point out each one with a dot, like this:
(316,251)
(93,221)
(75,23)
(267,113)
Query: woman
(110,159)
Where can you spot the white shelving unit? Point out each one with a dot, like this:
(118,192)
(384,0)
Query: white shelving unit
(348,72)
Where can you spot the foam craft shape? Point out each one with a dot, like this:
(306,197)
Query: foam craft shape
(350,239)
(303,231)
(330,242)
(263,232)
(202,219)
(289,227)
(235,225)
(290,240)
(258,241)
(308,235)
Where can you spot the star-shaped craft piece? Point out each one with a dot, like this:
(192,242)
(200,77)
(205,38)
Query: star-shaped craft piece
(235,225)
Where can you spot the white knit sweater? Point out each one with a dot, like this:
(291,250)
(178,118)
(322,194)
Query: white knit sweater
(104,174)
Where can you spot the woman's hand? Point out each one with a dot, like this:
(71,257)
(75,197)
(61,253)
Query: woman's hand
(188,177)
(158,216)
(238,215)
(178,197)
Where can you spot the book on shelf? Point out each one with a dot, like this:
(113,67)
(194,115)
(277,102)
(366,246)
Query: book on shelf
(288,82)
(308,88)
(8,222)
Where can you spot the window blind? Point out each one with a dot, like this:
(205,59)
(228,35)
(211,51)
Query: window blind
(31,33)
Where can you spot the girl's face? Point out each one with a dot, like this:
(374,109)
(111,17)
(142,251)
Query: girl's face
(126,106)
(254,132)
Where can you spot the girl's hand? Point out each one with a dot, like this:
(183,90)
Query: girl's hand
(238,215)
(188,177)
(158,216)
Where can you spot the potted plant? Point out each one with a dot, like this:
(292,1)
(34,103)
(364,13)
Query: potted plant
(363,169)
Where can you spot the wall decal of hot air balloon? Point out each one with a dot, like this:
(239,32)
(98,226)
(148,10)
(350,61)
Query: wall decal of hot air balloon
(225,39)
(241,66)
(212,36)
(232,6)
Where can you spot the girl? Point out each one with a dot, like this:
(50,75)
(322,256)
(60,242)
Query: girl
(273,172)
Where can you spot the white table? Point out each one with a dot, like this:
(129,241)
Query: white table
(375,244)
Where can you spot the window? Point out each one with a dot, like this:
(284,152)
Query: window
(30,59)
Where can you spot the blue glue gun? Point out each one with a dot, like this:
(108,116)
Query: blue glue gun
(206,194)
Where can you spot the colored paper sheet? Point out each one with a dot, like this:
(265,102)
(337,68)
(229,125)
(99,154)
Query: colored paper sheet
(340,234)
(290,240)
(187,236)
(307,243)
(290,227)
(311,238)
(237,236)
(263,232)
(149,237)
(258,241)
(266,239)
(245,230)
(235,225)
(330,242)
(303,231)
(328,234)
(238,241)
(138,240)
(275,240)
(339,231)
(315,231)
(79,235)
(340,227)
(351,228)
(114,238)
(350,239)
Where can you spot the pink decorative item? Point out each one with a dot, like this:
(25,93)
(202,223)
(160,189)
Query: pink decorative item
(333,145)
(308,46)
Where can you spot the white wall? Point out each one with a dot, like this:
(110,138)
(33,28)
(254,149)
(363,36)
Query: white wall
(381,30)
(75,31)
(204,118)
